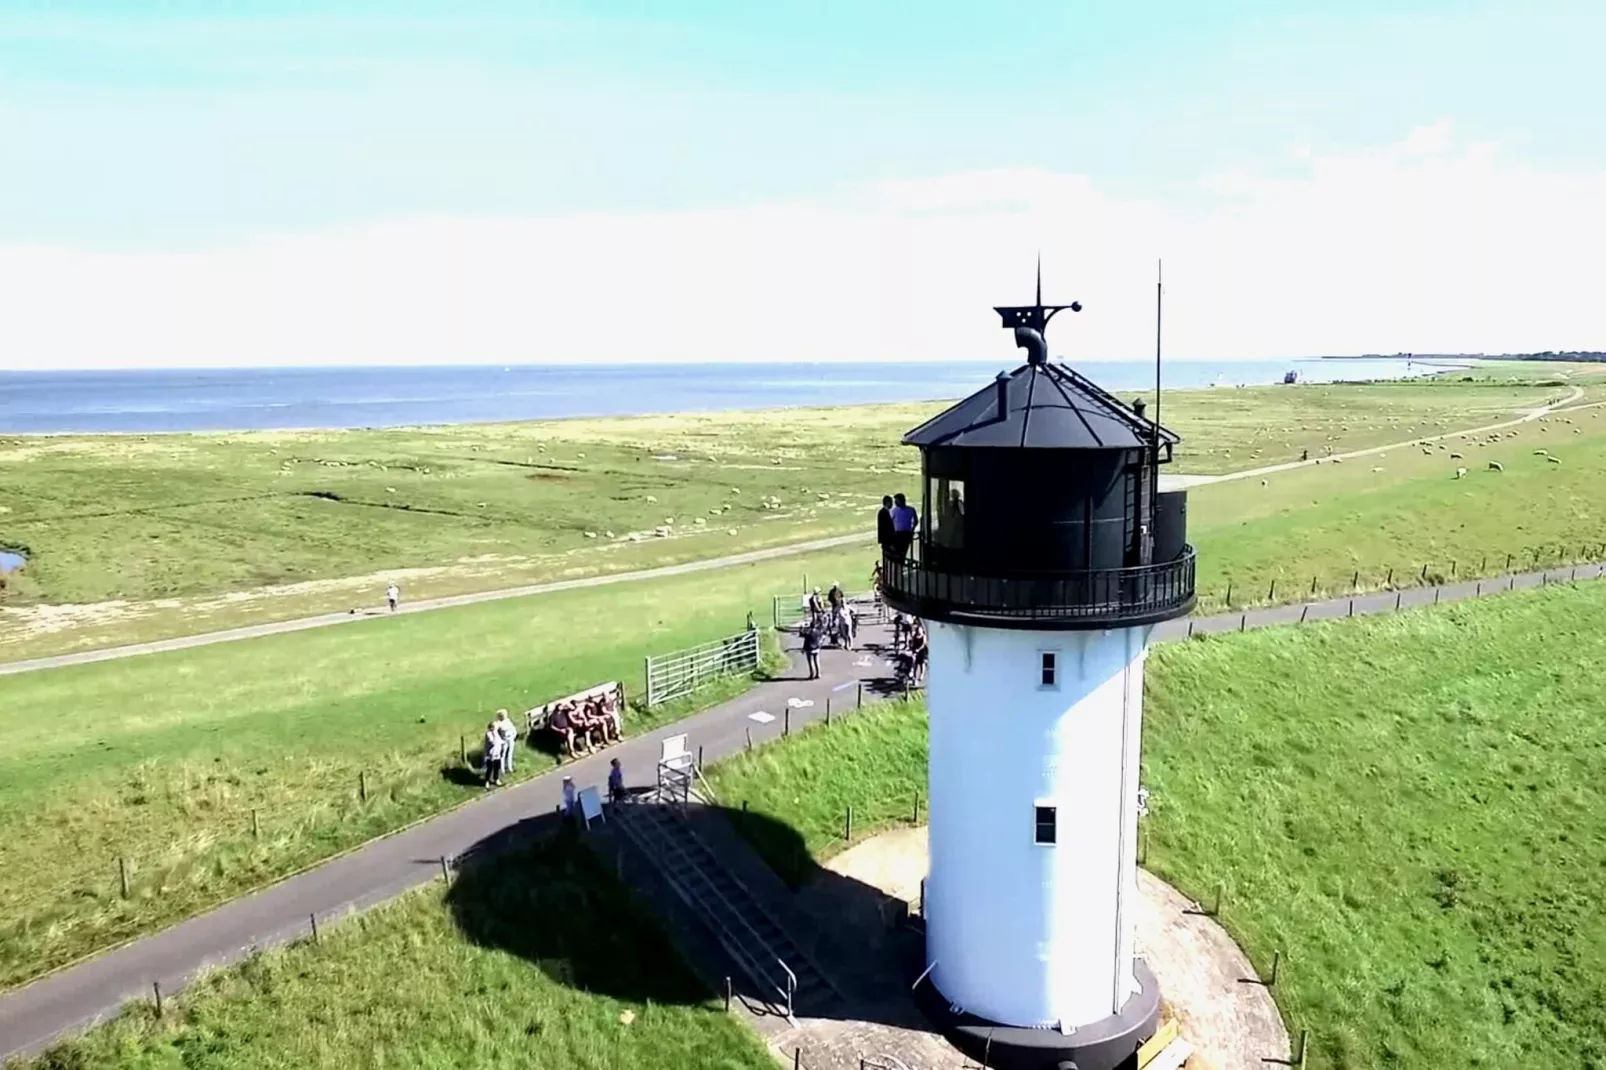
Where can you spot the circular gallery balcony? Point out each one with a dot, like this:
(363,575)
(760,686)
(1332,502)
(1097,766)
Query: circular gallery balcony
(1043,600)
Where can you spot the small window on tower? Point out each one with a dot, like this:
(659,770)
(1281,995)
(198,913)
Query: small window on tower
(1046,831)
(1049,670)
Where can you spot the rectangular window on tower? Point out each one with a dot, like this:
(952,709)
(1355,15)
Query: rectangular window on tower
(1048,678)
(1046,831)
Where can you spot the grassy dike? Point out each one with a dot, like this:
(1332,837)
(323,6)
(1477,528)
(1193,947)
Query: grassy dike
(136,537)
(165,760)
(1407,806)
(1404,805)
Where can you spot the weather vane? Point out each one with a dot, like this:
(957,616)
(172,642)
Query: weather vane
(1035,316)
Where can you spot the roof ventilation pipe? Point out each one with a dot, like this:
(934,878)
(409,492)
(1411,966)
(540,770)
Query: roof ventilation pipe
(1031,340)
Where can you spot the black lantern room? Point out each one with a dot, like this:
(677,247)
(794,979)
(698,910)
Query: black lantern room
(1042,506)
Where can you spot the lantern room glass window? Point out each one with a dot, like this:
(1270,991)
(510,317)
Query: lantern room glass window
(945,508)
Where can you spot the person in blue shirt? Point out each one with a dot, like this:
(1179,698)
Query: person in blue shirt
(904,522)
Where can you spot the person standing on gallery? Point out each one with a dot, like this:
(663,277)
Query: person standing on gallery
(904,522)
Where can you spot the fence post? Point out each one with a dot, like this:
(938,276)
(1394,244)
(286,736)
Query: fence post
(1397,596)
(1313,586)
(699,757)
(1276,961)
(1479,592)
(362,785)
(860,704)
(1508,562)
(446,870)
(1243,623)
(1424,573)
(1452,570)
(256,826)
(1390,581)
(1271,592)
(727,993)
(917,808)
(122,874)
(1303,610)
(314,919)
(786,721)
(847,826)
(156,986)
(1304,1044)
(1483,566)
(797,1059)
(1355,582)
(1352,607)
(1190,627)
(646,675)
(1229,593)
(749,737)
(462,748)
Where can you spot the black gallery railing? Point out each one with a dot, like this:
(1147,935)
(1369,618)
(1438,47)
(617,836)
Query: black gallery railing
(1142,591)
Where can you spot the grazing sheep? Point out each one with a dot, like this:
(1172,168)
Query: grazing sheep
(1377,469)
(1541,453)
(1496,466)
(1553,460)
(1455,456)
(1461,473)
(1264,483)
(1338,460)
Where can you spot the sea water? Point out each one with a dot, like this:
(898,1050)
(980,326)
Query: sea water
(263,398)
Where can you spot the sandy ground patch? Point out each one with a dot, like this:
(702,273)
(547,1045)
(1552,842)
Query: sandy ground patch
(1232,1025)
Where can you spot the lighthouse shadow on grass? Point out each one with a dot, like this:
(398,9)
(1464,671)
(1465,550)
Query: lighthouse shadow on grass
(593,912)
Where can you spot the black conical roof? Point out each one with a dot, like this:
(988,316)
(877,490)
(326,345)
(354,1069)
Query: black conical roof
(1047,406)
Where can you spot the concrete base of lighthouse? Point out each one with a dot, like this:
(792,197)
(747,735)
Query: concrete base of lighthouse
(1109,1044)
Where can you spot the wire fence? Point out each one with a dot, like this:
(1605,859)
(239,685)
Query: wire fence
(677,674)
(1284,586)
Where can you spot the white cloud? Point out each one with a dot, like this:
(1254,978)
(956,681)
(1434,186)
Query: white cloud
(1425,245)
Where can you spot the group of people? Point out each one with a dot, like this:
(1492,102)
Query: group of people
(617,792)
(828,619)
(586,725)
(909,637)
(895,526)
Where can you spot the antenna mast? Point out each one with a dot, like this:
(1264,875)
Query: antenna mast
(1159,291)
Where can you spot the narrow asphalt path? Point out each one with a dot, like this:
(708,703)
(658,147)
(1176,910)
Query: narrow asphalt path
(75,997)
(254,631)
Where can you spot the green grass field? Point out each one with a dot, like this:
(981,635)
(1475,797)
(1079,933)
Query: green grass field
(1407,807)
(163,759)
(1424,854)
(136,537)
(490,983)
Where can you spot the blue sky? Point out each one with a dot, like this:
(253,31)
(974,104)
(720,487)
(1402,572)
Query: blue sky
(136,130)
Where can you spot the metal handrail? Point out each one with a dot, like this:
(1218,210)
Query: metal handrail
(791,986)
(1090,594)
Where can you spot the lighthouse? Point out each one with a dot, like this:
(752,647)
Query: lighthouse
(1046,555)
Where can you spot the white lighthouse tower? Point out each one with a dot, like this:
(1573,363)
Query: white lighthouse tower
(1046,556)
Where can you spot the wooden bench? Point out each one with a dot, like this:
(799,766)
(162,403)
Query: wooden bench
(535,720)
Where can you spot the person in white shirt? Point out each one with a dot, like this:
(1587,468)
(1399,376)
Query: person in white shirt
(510,736)
(493,756)
(571,806)
(393,596)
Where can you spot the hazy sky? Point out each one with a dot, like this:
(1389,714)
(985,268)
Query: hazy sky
(482,182)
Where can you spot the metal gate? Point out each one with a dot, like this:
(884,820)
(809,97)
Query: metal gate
(671,676)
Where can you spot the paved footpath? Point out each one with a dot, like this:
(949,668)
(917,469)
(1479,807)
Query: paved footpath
(76,996)
(424,605)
